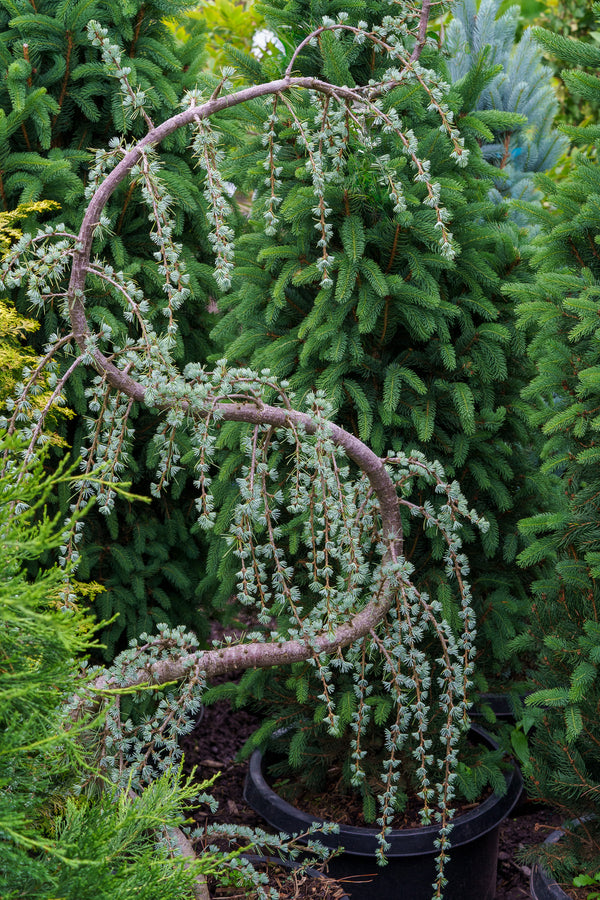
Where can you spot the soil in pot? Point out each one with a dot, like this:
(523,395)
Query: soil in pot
(339,805)
(410,871)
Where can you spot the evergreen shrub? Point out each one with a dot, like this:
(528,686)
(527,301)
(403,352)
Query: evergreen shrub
(562,759)
(417,348)
(59,106)
(51,845)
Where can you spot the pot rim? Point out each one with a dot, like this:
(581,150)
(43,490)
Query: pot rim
(361,841)
(540,880)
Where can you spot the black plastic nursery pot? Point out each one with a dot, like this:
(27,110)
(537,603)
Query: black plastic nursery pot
(500,704)
(542,885)
(410,871)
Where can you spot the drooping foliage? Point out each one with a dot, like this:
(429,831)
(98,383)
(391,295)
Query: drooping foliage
(563,761)
(416,347)
(59,104)
(321,554)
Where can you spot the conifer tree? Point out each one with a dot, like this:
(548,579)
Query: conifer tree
(479,35)
(563,759)
(59,104)
(416,349)
(571,19)
(346,594)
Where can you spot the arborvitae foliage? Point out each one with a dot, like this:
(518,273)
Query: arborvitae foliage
(478,35)
(416,349)
(563,766)
(59,103)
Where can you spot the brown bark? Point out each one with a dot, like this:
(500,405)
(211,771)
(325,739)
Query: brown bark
(236,658)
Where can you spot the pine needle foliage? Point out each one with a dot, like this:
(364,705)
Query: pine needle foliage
(60,104)
(562,763)
(416,347)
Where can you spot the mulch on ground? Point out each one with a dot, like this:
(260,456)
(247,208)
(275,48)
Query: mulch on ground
(290,886)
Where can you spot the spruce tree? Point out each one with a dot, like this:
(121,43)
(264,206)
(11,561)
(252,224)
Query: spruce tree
(416,349)
(478,34)
(562,762)
(59,104)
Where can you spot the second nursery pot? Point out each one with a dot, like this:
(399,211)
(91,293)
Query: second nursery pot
(410,871)
(542,885)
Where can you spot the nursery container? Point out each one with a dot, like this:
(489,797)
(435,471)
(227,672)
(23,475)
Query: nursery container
(500,704)
(542,885)
(410,870)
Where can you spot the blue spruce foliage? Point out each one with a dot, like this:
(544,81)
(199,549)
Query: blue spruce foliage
(479,35)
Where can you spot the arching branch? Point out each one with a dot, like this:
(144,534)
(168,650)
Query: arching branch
(374,599)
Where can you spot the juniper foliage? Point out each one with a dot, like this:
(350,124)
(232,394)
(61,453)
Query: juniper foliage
(45,847)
